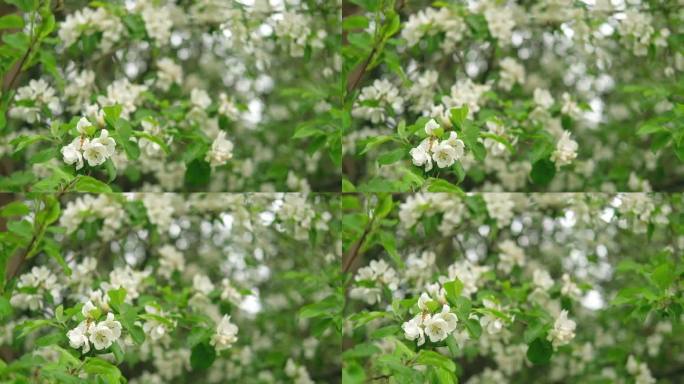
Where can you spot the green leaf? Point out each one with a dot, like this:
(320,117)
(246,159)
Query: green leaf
(24,5)
(542,148)
(651,128)
(11,21)
(664,275)
(392,156)
(474,328)
(355,22)
(21,228)
(453,290)
(361,318)
(353,373)
(116,297)
(128,317)
(374,142)
(347,186)
(202,356)
(112,114)
(327,307)
(118,353)
(29,326)
(53,250)
(459,115)
(534,330)
(361,350)
(43,155)
(445,377)
(384,206)
(452,344)
(5,308)
(103,368)
(90,184)
(434,359)
(459,171)
(462,308)
(198,174)
(307,130)
(543,172)
(470,136)
(441,185)
(388,241)
(539,351)
(15,208)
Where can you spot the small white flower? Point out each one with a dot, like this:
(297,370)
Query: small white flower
(200,98)
(569,288)
(107,141)
(88,307)
(431,126)
(82,125)
(221,150)
(421,156)
(78,337)
(566,150)
(449,317)
(169,73)
(202,284)
(94,153)
(113,325)
(632,365)
(563,330)
(456,143)
(423,300)
(72,153)
(101,336)
(492,324)
(226,334)
(413,329)
(543,98)
(542,279)
(436,328)
(444,154)
(155,329)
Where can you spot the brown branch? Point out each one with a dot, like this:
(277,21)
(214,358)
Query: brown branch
(354,252)
(358,73)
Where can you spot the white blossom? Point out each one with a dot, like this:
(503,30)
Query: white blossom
(543,98)
(566,150)
(226,334)
(563,330)
(421,155)
(221,150)
(542,279)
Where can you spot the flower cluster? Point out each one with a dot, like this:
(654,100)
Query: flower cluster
(549,108)
(435,326)
(156,288)
(102,334)
(444,152)
(94,151)
(524,281)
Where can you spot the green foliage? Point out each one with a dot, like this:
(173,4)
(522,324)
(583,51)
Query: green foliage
(439,254)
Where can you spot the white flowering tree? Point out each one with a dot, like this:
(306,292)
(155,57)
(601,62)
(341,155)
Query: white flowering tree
(169,288)
(219,95)
(511,288)
(513,95)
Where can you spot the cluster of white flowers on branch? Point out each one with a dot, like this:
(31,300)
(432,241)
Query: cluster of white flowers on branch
(444,152)
(173,286)
(522,281)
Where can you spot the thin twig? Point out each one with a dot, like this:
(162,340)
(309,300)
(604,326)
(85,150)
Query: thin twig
(354,252)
